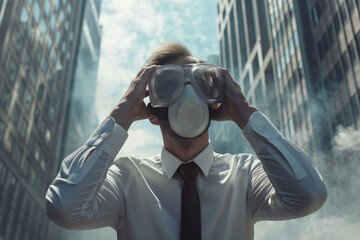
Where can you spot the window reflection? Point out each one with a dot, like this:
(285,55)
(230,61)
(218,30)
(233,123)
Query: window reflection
(2,130)
(47,7)
(28,100)
(37,12)
(53,22)
(13,70)
(43,28)
(58,36)
(57,4)
(5,99)
(18,43)
(24,16)
(49,43)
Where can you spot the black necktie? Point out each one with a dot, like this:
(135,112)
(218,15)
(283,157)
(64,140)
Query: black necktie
(190,203)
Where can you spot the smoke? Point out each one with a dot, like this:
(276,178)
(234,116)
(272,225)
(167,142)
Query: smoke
(339,217)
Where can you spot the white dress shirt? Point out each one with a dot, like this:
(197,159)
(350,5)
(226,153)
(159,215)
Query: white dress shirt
(141,198)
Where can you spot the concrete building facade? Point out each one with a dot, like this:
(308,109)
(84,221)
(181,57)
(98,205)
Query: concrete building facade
(38,48)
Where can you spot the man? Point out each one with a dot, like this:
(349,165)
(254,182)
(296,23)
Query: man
(156,198)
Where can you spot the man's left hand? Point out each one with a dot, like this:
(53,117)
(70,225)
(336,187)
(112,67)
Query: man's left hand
(235,106)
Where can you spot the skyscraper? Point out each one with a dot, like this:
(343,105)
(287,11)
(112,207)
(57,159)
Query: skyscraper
(297,61)
(82,119)
(38,48)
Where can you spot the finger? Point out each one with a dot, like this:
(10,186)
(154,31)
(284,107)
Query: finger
(147,71)
(144,76)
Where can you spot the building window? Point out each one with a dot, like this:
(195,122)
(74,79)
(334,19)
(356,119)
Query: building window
(26,60)
(50,79)
(51,114)
(47,138)
(23,128)
(9,140)
(296,38)
(33,75)
(21,88)
(42,127)
(344,13)
(45,66)
(49,43)
(66,25)
(61,16)
(53,22)
(346,63)
(47,7)
(352,52)
(32,181)
(69,9)
(37,11)
(57,4)
(18,43)
(24,16)
(54,58)
(28,100)
(43,28)
(5,99)
(40,92)
(13,69)
(46,103)
(55,91)
(25,167)
(37,151)
(16,153)
(246,84)
(15,114)
(58,36)
(2,130)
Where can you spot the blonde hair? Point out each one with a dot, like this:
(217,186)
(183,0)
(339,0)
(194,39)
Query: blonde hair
(167,52)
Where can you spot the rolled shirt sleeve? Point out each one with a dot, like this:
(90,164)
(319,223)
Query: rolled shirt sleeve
(75,197)
(283,184)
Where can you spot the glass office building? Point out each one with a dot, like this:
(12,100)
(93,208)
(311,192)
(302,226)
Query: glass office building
(297,61)
(38,48)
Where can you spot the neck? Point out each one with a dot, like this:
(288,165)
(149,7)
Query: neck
(186,149)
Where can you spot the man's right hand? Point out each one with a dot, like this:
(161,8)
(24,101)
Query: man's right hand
(132,107)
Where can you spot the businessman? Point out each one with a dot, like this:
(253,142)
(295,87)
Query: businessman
(187,191)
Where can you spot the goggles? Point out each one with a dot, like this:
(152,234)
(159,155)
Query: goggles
(167,83)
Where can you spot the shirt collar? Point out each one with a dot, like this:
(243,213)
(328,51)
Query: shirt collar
(171,163)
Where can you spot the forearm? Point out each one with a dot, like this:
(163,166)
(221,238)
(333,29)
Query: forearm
(76,198)
(299,188)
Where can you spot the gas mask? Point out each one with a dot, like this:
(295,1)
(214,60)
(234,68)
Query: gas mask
(185,94)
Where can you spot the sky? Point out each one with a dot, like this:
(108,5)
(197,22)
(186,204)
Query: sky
(131,31)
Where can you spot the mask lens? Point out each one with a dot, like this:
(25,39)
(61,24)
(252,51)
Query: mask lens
(166,85)
(208,81)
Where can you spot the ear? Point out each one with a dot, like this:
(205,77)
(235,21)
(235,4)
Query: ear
(154,120)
